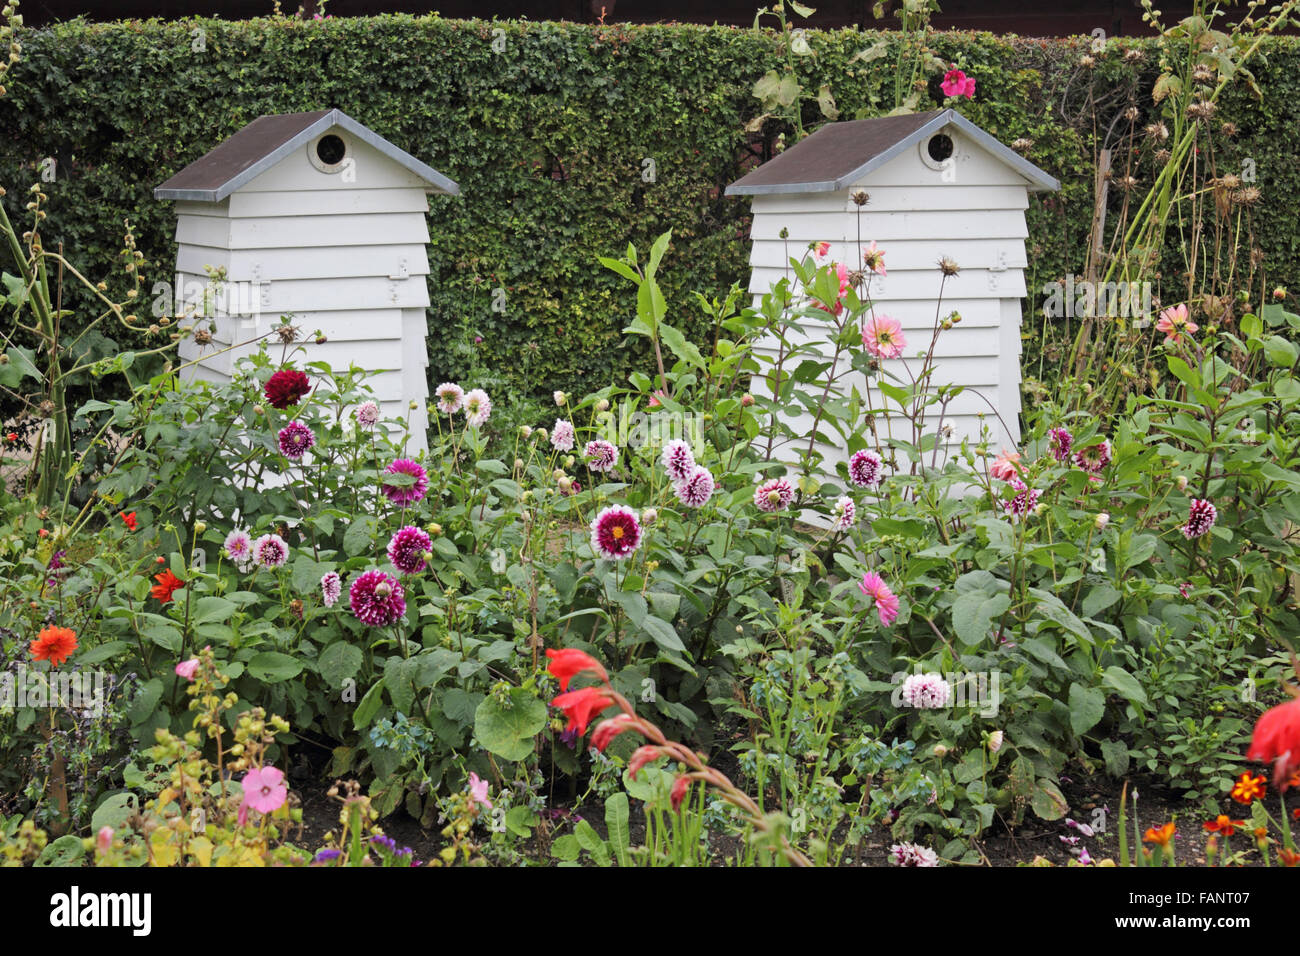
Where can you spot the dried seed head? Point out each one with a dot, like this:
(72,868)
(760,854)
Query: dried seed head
(1200,110)
(1022,145)
(1126,183)
(1203,74)
(1158,132)
(1087,62)
(1161,156)
(860,197)
(948,267)
(1132,113)
(1229,128)
(287,333)
(1134,56)
(202,336)
(1246,197)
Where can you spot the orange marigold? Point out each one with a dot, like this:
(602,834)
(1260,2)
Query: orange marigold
(1248,787)
(1161,836)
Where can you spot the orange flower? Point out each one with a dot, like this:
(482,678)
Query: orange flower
(1161,836)
(129,520)
(1247,788)
(54,644)
(168,584)
(1288,857)
(1224,825)
(1277,738)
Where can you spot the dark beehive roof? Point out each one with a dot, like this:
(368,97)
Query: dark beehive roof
(269,139)
(840,154)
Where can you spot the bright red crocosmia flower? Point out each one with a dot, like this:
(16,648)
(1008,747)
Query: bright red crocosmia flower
(1277,739)
(129,520)
(286,387)
(1248,786)
(1224,824)
(681,787)
(54,644)
(640,757)
(568,662)
(607,730)
(1006,466)
(580,706)
(168,584)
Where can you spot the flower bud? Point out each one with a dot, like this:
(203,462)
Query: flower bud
(649,515)
(414,405)
(940,750)
(602,405)
(434,529)
(560,398)
(1101,521)
(995,741)
(200,527)
(1181,481)
(519,464)
(526,431)
(1279,293)
(259,410)
(746,400)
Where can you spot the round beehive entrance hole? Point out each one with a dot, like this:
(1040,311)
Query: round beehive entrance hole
(940,148)
(331,149)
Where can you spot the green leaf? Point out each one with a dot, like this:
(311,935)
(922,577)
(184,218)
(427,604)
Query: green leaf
(339,662)
(271,667)
(617,813)
(1087,707)
(592,843)
(973,614)
(1116,755)
(507,730)
(683,349)
(212,610)
(65,851)
(113,811)
(1126,685)
(566,848)
(369,706)
(663,634)
(359,536)
(1048,802)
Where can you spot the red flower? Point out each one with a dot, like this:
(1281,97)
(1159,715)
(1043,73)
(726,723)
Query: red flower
(1222,824)
(580,706)
(54,644)
(681,787)
(607,730)
(1277,738)
(1288,857)
(640,757)
(129,520)
(286,387)
(568,662)
(168,584)
(1247,788)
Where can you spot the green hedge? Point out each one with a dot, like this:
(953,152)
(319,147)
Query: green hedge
(547,141)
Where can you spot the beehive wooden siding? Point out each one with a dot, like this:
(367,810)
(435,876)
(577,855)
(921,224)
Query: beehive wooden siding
(970,210)
(342,253)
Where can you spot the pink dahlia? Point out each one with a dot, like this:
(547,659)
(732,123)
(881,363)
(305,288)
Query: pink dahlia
(286,387)
(239,548)
(295,440)
(883,337)
(926,691)
(1059,440)
(367,414)
(331,586)
(1174,322)
(912,854)
(1025,500)
(477,407)
(873,586)
(406,493)
(1094,458)
(874,259)
(1005,467)
(846,513)
(377,599)
(407,549)
(270,551)
(264,789)
(774,495)
(562,435)
(1200,518)
(601,455)
(678,460)
(615,533)
(695,490)
(866,469)
(450,397)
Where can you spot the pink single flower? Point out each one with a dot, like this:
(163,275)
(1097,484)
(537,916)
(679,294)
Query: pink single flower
(104,839)
(821,250)
(478,790)
(874,259)
(264,789)
(1005,467)
(188,669)
(883,337)
(957,83)
(1175,321)
(873,586)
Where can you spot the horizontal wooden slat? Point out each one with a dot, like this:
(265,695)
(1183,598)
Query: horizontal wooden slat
(324,202)
(320,295)
(306,232)
(888,226)
(904,285)
(902,198)
(327,262)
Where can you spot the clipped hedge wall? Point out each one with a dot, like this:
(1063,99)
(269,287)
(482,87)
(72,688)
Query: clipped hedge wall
(547,140)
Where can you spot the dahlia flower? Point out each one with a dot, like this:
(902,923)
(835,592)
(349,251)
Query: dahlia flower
(678,459)
(846,513)
(926,691)
(601,455)
(1200,518)
(883,337)
(270,551)
(1277,739)
(866,469)
(774,495)
(615,533)
(1024,502)
(873,586)
(1093,458)
(367,414)
(562,435)
(331,586)
(406,494)
(912,854)
(286,387)
(1174,322)
(1059,440)
(407,549)
(239,548)
(295,440)
(377,599)
(450,397)
(54,644)
(695,490)
(477,408)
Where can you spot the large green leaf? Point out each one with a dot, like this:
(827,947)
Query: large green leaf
(507,728)
(1087,707)
(272,667)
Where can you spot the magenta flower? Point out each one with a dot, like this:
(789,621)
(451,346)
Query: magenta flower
(873,586)
(188,669)
(367,414)
(695,490)
(407,493)
(957,83)
(478,790)
(562,435)
(264,789)
(377,599)
(295,440)
(270,551)
(1093,458)
(1025,500)
(450,397)
(866,469)
(846,513)
(601,455)
(407,549)
(774,495)
(331,586)
(678,460)
(1059,440)
(1200,518)
(286,387)
(477,408)
(615,533)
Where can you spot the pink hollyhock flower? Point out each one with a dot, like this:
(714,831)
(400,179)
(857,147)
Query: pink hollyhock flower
(1200,518)
(264,789)
(883,337)
(874,259)
(601,455)
(678,460)
(296,439)
(866,469)
(1059,440)
(478,790)
(377,599)
(407,549)
(477,408)
(774,495)
(406,494)
(957,83)
(873,586)
(1175,321)
(1004,468)
(562,435)
(331,586)
(615,533)
(695,490)
(450,397)
(188,669)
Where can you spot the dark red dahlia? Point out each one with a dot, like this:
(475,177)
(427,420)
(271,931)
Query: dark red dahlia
(287,387)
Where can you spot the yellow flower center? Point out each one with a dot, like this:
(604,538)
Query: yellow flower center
(617,532)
